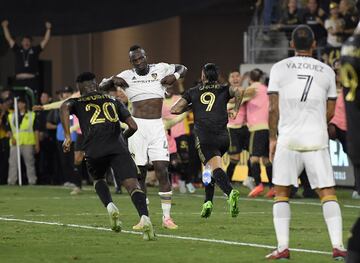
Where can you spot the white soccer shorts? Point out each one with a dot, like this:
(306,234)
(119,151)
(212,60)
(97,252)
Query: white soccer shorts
(288,165)
(149,142)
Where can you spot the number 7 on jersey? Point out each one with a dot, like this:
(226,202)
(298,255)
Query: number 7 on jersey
(309,80)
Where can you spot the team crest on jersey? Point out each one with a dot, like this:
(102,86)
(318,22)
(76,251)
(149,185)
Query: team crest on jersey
(154,75)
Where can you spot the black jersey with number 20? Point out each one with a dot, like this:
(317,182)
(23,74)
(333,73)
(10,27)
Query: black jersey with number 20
(99,117)
(208,103)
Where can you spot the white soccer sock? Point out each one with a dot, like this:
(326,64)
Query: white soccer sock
(281,213)
(111,207)
(165,198)
(333,219)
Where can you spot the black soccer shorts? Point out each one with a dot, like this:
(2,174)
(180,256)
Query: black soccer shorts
(259,143)
(239,140)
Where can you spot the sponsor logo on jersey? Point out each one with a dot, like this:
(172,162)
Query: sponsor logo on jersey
(154,75)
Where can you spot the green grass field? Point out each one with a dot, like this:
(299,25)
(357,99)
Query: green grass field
(31,239)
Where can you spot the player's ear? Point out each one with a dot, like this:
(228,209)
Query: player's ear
(292,45)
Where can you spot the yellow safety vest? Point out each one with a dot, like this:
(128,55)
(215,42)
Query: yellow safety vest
(26,131)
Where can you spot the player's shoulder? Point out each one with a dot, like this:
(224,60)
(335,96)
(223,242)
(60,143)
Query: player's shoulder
(126,73)
(280,64)
(160,66)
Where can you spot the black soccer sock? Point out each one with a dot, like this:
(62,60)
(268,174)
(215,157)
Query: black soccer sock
(102,190)
(231,168)
(268,168)
(209,192)
(222,180)
(255,172)
(138,198)
(249,168)
(142,178)
(357,178)
(77,175)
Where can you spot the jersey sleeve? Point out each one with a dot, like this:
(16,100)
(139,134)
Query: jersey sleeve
(273,87)
(122,111)
(332,94)
(168,68)
(187,96)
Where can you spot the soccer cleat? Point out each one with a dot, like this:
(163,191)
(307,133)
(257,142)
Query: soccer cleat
(249,182)
(270,193)
(139,226)
(207,208)
(233,201)
(114,216)
(339,254)
(355,195)
(148,229)
(285,254)
(182,187)
(258,190)
(75,191)
(168,223)
(191,189)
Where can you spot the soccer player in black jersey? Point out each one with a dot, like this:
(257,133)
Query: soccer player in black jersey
(350,74)
(99,115)
(208,101)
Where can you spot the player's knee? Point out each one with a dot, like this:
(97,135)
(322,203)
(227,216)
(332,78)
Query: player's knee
(327,194)
(254,159)
(142,172)
(96,180)
(266,161)
(234,160)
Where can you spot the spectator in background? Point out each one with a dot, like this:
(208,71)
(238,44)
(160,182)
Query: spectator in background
(27,139)
(26,58)
(314,17)
(350,16)
(334,26)
(47,145)
(4,139)
(65,172)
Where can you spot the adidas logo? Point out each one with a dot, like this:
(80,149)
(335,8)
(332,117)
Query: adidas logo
(134,78)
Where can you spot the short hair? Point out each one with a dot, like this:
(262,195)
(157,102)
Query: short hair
(256,74)
(211,72)
(234,71)
(85,76)
(134,47)
(303,37)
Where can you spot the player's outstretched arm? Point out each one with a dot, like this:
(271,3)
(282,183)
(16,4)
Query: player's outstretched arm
(46,36)
(273,123)
(168,123)
(65,121)
(180,106)
(132,127)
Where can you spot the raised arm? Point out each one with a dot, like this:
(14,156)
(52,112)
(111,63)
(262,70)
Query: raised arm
(65,121)
(273,123)
(46,38)
(180,106)
(181,70)
(8,37)
(238,94)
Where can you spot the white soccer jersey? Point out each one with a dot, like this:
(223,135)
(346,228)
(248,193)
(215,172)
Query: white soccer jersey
(147,86)
(304,85)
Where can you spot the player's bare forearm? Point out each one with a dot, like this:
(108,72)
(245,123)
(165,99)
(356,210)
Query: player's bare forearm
(239,94)
(172,122)
(181,69)
(120,82)
(46,36)
(179,107)
(132,127)
(65,118)
(330,110)
(273,115)
(8,37)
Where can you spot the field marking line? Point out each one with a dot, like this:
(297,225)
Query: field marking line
(217,241)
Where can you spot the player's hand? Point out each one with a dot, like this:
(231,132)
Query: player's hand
(38,108)
(66,145)
(272,149)
(232,114)
(47,25)
(332,131)
(37,148)
(5,23)
(168,81)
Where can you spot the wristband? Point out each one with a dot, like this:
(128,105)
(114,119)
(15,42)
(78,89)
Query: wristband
(177,75)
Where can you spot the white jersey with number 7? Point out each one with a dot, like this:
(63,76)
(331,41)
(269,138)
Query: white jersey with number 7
(304,85)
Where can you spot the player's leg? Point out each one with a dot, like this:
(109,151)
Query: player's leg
(78,164)
(255,168)
(125,172)
(269,168)
(319,169)
(233,151)
(287,166)
(182,145)
(97,169)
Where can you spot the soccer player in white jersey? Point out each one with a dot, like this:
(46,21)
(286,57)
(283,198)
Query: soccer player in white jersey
(145,86)
(302,101)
